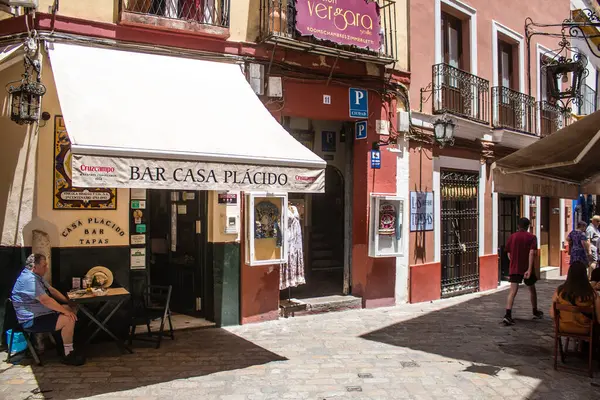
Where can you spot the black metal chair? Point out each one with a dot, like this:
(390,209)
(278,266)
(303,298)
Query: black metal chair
(11,323)
(152,305)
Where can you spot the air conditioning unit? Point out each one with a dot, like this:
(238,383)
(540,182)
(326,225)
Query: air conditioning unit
(20,3)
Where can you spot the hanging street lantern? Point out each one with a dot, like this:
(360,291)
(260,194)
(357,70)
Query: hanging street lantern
(443,131)
(25,101)
(26,94)
(562,70)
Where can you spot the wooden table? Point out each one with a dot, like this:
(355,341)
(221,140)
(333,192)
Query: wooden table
(113,296)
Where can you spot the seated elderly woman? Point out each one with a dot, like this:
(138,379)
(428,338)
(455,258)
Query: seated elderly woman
(576,291)
(41,308)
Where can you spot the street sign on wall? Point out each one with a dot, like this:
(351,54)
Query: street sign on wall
(359,103)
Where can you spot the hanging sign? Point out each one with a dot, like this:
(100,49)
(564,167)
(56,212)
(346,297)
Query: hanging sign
(375,159)
(92,171)
(421,211)
(346,22)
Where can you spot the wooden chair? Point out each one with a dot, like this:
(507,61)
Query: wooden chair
(558,334)
(152,305)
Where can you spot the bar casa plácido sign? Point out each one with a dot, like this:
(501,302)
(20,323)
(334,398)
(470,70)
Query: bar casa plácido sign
(100,171)
(92,231)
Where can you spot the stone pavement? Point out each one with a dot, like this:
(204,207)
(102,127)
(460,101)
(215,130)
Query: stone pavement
(448,349)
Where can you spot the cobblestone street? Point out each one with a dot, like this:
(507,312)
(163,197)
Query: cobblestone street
(449,349)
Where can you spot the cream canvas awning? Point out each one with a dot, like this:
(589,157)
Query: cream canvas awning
(561,165)
(138,120)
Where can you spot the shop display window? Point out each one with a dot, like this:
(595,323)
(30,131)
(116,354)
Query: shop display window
(265,228)
(385,225)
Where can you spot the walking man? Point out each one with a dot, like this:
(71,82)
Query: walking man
(521,247)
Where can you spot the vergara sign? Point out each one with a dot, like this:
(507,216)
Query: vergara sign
(347,22)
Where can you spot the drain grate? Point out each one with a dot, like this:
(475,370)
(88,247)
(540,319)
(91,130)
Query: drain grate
(353,389)
(365,375)
(409,364)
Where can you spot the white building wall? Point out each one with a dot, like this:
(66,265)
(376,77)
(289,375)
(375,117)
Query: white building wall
(403,190)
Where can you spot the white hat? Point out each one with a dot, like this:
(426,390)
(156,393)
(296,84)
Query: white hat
(103,274)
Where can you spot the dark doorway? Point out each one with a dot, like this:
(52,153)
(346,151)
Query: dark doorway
(178,247)
(324,247)
(508,217)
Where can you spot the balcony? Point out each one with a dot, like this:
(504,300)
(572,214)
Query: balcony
(367,34)
(587,104)
(513,110)
(460,93)
(552,118)
(202,16)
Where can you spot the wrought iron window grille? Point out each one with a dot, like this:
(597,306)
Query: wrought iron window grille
(205,12)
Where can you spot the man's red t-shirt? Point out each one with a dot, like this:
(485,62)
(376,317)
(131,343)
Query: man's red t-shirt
(518,246)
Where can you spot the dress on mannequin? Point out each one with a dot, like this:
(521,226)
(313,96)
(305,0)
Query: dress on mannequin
(292,274)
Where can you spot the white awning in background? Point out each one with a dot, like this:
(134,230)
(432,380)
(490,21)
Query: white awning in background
(139,120)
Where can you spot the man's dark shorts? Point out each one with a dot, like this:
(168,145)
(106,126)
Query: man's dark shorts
(43,323)
(517,278)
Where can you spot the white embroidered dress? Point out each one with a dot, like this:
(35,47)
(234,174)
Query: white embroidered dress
(292,274)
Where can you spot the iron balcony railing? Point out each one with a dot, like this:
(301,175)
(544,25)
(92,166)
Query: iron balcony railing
(205,12)
(513,110)
(460,93)
(587,104)
(278,25)
(552,118)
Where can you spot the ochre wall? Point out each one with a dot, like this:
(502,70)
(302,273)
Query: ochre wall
(26,184)
(95,10)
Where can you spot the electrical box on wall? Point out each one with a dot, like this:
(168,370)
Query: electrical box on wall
(275,87)
(403,121)
(256,77)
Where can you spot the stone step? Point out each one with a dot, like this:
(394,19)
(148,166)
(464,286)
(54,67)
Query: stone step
(325,264)
(321,254)
(319,305)
(550,273)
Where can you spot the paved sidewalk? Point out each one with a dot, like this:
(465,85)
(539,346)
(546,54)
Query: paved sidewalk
(448,349)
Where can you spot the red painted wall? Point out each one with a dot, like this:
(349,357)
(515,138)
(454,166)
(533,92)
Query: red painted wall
(425,282)
(488,272)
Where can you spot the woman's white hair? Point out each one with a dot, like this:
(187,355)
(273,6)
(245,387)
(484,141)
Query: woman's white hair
(33,260)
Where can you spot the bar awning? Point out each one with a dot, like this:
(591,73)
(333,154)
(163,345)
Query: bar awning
(561,165)
(138,120)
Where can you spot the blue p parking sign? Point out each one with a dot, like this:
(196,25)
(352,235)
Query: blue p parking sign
(360,130)
(359,103)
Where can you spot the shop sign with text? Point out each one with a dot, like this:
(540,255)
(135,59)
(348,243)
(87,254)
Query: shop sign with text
(346,22)
(66,196)
(97,171)
(421,211)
